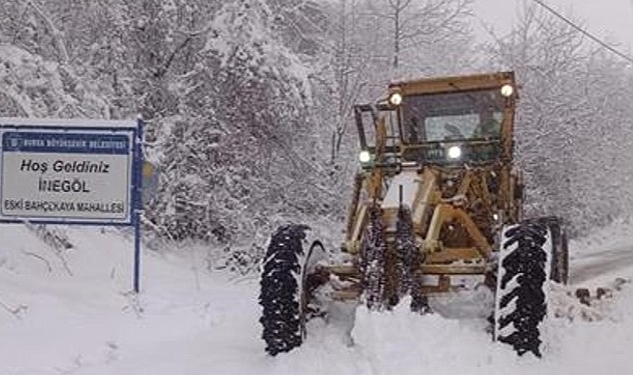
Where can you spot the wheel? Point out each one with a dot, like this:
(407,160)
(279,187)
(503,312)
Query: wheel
(522,282)
(287,282)
(372,265)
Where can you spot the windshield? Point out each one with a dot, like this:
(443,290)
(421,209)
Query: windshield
(452,116)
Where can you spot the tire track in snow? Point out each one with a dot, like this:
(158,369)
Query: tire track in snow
(601,263)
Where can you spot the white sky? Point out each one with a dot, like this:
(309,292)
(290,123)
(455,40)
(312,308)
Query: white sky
(609,20)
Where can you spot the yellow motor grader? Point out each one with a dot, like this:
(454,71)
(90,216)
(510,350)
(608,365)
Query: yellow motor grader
(436,208)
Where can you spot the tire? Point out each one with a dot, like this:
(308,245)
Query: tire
(372,265)
(280,290)
(522,282)
(287,284)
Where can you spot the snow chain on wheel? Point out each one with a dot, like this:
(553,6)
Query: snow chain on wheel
(407,257)
(372,265)
(405,250)
(521,298)
(280,291)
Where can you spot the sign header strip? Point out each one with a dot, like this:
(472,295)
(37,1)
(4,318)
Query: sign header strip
(77,143)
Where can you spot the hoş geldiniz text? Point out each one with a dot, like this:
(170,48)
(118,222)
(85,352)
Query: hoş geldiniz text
(63,185)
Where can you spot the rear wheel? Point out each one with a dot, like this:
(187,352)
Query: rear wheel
(287,283)
(523,274)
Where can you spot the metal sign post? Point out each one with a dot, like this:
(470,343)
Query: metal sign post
(62,171)
(138,201)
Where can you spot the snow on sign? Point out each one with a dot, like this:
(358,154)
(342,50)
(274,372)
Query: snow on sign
(67,171)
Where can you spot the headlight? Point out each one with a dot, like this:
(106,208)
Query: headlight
(364,157)
(454,152)
(507,90)
(395,98)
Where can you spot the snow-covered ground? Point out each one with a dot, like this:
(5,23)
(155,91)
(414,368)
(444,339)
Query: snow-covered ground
(71,312)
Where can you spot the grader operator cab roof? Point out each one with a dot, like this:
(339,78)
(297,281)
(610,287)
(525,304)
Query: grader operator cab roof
(453,83)
(448,121)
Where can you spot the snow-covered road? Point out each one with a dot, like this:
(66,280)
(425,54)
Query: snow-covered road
(79,319)
(601,264)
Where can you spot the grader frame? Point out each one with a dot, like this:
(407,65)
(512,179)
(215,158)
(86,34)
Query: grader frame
(455,215)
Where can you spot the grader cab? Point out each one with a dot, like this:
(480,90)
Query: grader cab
(436,209)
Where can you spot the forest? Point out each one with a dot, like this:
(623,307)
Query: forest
(248,103)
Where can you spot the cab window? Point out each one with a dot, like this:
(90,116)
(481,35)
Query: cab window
(452,116)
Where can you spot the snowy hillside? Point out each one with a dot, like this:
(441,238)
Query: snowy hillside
(70,312)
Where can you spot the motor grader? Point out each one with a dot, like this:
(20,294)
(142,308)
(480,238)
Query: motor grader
(437,208)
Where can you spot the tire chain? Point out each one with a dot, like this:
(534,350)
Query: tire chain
(408,257)
(280,290)
(373,260)
(405,250)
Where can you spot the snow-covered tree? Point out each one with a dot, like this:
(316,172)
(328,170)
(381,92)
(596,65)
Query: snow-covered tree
(244,152)
(572,132)
(357,59)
